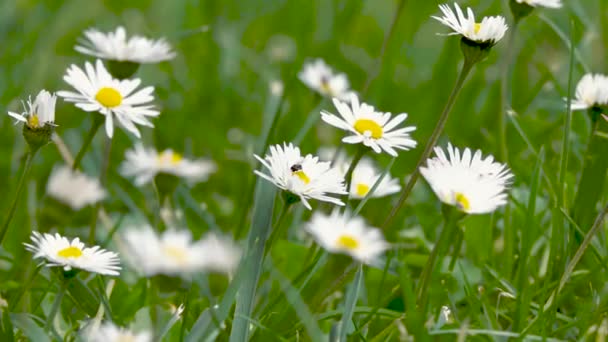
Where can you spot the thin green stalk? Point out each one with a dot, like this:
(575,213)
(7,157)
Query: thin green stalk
(23,289)
(102,180)
(26,170)
(97,122)
(450,228)
(350,301)
(312,118)
(277,228)
(566,139)
(353,164)
(338,283)
(56,304)
(182,330)
(505,101)
(464,72)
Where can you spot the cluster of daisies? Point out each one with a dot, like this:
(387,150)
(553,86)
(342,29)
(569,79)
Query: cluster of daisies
(463,179)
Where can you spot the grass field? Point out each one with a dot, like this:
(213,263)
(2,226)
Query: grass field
(535,269)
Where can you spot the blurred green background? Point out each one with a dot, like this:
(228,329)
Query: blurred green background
(212,96)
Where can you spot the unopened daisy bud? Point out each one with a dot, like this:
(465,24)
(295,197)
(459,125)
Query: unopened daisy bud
(477,37)
(38,119)
(522,8)
(470,183)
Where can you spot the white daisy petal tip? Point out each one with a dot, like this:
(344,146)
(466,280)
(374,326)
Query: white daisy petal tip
(58,251)
(374,129)
(115,46)
(341,233)
(473,184)
(304,177)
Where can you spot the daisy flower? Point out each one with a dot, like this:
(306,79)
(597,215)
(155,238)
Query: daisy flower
(541,3)
(116,46)
(174,253)
(373,129)
(39,113)
(145,163)
(472,184)
(339,233)
(591,91)
(319,77)
(108,332)
(98,91)
(59,251)
(365,176)
(303,176)
(489,31)
(73,188)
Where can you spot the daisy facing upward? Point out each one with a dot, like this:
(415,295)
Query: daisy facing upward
(488,32)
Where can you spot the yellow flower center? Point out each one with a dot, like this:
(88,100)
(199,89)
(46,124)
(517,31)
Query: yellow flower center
(33,121)
(70,252)
(366,125)
(477,27)
(303,177)
(176,253)
(362,189)
(325,86)
(348,242)
(126,337)
(170,158)
(462,202)
(108,97)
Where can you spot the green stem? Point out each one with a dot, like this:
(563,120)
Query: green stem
(23,289)
(505,101)
(312,118)
(182,330)
(437,253)
(97,122)
(464,72)
(277,228)
(26,170)
(350,301)
(349,173)
(56,304)
(102,180)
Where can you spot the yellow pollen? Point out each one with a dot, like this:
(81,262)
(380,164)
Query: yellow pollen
(477,27)
(348,242)
(366,125)
(303,177)
(171,158)
(462,202)
(176,253)
(33,121)
(70,252)
(325,86)
(362,189)
(108,97)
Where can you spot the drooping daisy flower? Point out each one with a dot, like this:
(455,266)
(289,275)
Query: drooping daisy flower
(373,129)
(99,92)
(59,251)
(339,233)
(74,188)
(319,77)
(303,176)
(39,113)
(365,176)
(116,46)
(174,252)
(591,91)
(472,184)
(145,163)
(489,31)
(541,3)
(108,332)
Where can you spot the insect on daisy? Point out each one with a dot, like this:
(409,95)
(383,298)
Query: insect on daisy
(61,252)
(304,176)
(469,182)
(340,233)
(374,129)
(365,175)
(74,188)
(116,46)
(319,77)
(38,119)
(174,253)
(108,332)
(487,32)
(98,91)
(591,92)
(145,163)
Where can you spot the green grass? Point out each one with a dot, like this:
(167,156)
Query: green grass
(536,267)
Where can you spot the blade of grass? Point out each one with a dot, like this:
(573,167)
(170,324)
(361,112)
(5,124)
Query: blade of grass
(350,302)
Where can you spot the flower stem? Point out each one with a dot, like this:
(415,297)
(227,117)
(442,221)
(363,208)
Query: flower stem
(102,180)
(277,228)
(56,304)
(464,72)
(504,93)
(97,121)
(26,170)
(182,330)
(353,164)
(437,253)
